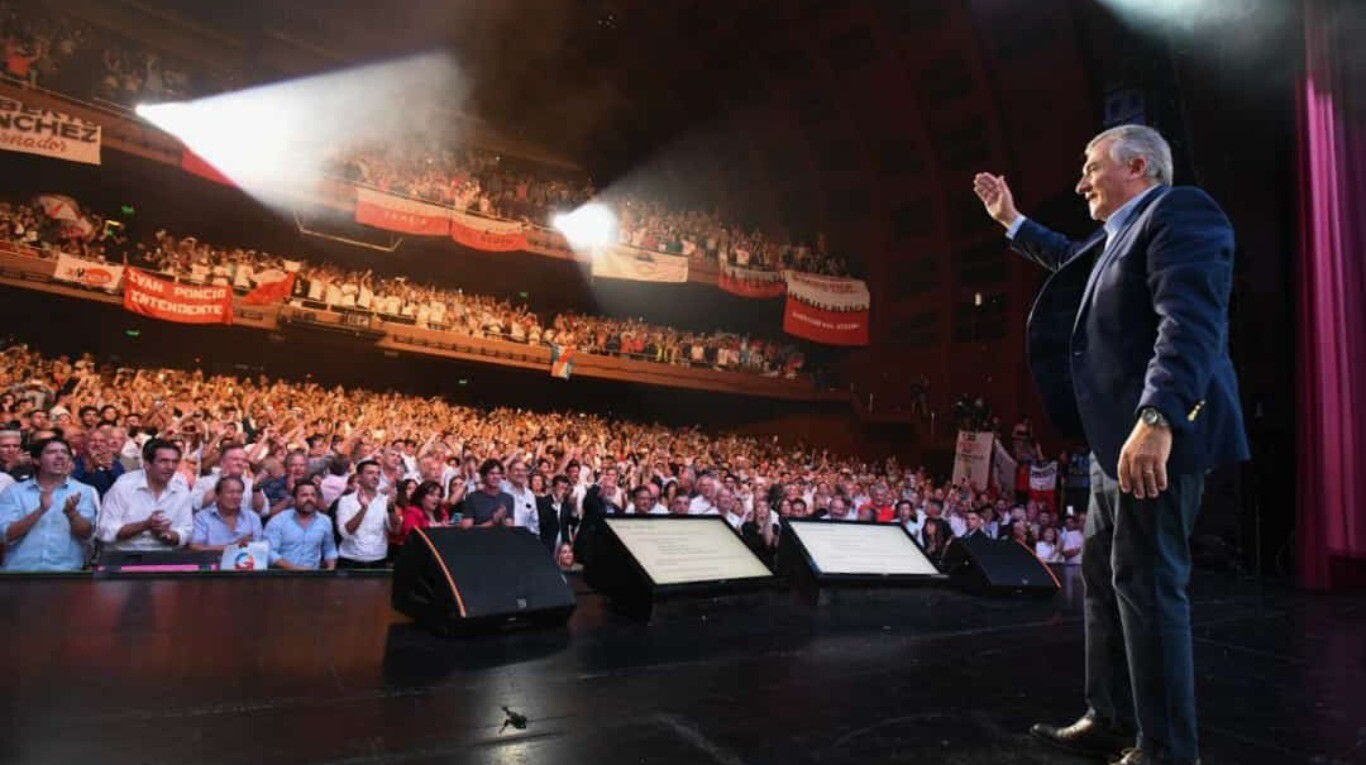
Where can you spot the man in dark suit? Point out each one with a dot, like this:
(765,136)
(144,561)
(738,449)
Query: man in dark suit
(556,512)
(1128,342)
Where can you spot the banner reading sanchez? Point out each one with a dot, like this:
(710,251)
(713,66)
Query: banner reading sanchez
(826,309)
(185,303)
(51,134)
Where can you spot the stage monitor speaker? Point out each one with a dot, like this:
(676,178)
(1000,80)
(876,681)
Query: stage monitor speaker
(456,581)
(997,566)
(638,559)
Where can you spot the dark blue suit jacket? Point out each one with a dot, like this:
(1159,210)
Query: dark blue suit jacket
(1146,326)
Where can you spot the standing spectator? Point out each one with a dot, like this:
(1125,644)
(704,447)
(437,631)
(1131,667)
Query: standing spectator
(97,467)
(490,506)
(232,462)
(279,492)
(705,501)
(524,511)
(556,509)
(364,519)
(45,520)
(1047,547)
(1072,541)
(1077,482)
(301,537)
(223,524)
(423,510)
(761,534)
(148,509)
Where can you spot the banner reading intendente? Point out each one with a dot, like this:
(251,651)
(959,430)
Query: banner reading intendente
(826,309)
(184,303)
(32,130)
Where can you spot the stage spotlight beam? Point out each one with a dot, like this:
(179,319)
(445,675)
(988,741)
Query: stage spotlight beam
(590,227)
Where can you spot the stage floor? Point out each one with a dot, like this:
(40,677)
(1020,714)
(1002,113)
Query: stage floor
(320,670)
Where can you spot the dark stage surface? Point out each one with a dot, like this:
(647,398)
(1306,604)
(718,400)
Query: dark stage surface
(320,670)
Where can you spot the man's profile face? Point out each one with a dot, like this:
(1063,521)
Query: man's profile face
(1106,184)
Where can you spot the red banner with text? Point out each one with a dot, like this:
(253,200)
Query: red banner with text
(405,216)
(184,303)
(826,309)
(487,234)
(750,283)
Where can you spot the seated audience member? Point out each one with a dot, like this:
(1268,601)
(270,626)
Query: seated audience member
(1047,548)
(761,534)
(490,505)
(423,510)
(223,524)
(148,509)
(364,519)
(301,537)
(557,514)
(46,520)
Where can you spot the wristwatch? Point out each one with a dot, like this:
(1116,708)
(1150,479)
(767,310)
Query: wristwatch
(1150,416)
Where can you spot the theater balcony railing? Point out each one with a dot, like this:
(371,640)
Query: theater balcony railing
(22,267)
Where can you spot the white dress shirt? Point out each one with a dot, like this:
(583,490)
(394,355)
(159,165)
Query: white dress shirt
(204,483)
(370,541)
(524,511)
(700,506)
(130,500)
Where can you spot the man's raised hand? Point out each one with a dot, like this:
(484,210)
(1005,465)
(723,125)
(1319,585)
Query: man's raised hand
(996,197)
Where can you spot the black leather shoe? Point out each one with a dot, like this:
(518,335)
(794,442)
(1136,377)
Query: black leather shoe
(1088,736)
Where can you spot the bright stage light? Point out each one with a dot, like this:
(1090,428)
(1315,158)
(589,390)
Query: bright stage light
(276,140)
(591,226)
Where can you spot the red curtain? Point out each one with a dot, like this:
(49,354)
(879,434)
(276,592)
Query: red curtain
(1331,381)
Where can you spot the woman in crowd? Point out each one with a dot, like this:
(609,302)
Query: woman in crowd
(423,509)
(935,538)
(1047,547)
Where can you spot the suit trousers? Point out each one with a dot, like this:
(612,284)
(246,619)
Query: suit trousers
(1136,564)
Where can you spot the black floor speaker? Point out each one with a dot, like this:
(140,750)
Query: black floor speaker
(997,567)
(459,581)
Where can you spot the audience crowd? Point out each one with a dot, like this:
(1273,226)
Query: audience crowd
(396,299)
(62,53)
(160,459)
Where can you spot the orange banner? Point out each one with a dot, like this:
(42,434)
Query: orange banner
(184,303)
